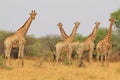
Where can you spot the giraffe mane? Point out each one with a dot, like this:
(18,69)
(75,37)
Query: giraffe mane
(22,26)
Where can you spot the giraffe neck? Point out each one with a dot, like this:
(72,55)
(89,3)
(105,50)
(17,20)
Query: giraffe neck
(92,36)
(72,35)
(108,36)
(63,34)
(23,30)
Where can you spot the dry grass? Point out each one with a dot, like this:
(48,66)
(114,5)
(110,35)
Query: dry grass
(35,70)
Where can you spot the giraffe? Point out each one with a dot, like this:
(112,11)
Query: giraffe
(104,47)
(87,45)
(64,45)
(64,36)
(18,40)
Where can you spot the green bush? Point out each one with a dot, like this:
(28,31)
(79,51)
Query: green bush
(33,50)
(3,35)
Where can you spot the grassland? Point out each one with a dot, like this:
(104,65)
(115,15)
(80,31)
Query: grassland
(37,70)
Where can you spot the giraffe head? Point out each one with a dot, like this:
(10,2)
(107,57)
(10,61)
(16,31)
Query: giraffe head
(112,20)
(77,24)
(97,24)
(59,25)
(33,14)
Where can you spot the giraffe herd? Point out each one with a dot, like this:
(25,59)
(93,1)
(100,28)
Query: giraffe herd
(67,43)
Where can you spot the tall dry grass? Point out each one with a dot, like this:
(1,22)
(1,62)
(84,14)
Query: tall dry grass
(34,70)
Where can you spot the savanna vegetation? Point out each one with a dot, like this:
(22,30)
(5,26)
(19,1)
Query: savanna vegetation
(44,46)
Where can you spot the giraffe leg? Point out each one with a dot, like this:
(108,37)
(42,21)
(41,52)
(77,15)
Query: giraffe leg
(7,55)
(21,54)
(90,55)
(102,60)
(79,58)
(105,61)
(70,53)
(57,57)
(76,56)
(97,56)
(9,59)
(108,59)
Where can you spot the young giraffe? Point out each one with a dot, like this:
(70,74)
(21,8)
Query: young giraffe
(87,45)
(18,40)
(104,47)
(64,45)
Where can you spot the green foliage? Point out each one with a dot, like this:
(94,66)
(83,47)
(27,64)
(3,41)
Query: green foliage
(48,45)
(41,46)
(33,49)
(48,42)
(116,16)
(116,41)
(116,37)
(79,37)
(3,35)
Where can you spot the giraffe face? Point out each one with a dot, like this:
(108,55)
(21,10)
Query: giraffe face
(112,20)
(77,24)
(59,25)
(97,24)
(33,14)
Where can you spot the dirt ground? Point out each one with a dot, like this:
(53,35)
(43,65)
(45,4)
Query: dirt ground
(37,70)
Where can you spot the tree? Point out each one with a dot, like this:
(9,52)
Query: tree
(116,16)
(116,38)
